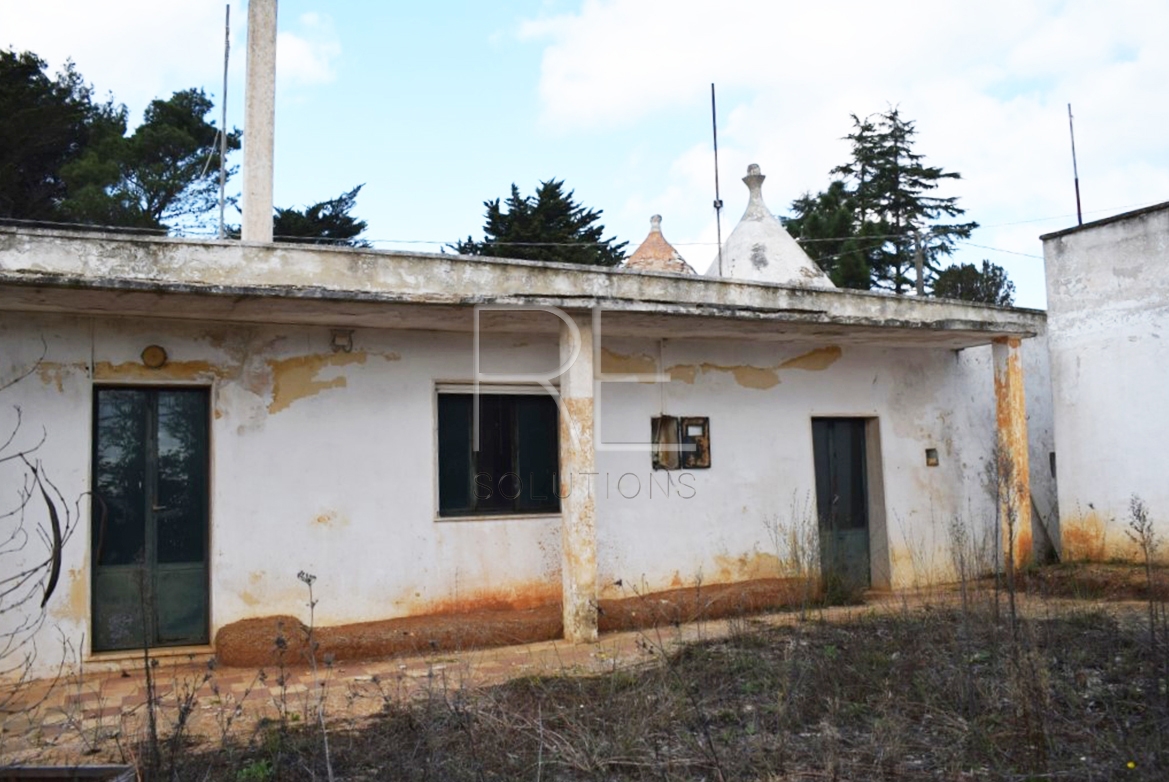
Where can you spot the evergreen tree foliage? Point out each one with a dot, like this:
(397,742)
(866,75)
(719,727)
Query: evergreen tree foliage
(45,124)
(549,226)
(988,285)
(828,232)
(167,170)
(326,222)
(863,230)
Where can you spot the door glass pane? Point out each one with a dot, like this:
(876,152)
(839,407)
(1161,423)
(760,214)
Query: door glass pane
(180,509)
(119,534)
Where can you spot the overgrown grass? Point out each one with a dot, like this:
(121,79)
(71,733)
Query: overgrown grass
(918,694)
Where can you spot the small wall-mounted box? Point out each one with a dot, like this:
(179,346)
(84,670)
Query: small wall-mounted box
(680,443)
(931,457)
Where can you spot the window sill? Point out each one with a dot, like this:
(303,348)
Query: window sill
(499,517)
(200,653)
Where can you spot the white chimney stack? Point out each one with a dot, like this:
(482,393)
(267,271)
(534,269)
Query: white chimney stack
(259,121)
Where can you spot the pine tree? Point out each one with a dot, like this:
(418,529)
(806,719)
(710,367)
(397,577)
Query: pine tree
(326,222)
(988,285)
(549,226)
(45,124)
(166,170)
(827,229)
(864,229)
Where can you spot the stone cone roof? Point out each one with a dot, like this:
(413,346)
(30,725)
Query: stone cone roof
(759,249)
(656,254)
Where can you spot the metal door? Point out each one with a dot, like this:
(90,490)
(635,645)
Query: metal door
(149,517)
(842,500)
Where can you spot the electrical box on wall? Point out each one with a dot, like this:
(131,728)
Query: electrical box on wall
(680,443)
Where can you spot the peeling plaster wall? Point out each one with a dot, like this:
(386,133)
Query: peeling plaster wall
(720,524)
(1108,294)
(325,461)
(321,461)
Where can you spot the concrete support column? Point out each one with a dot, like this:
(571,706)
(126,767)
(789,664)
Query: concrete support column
(578,532)
(1014,472)
(259,122)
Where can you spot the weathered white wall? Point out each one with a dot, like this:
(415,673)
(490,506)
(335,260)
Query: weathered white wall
(325,461)
(1108,299)
(760,398)
(321,461)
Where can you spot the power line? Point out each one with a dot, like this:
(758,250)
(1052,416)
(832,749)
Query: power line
(1001,250)
(187,232)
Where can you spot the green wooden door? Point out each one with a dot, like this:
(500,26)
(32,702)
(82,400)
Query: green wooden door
(842,501)
(149,517)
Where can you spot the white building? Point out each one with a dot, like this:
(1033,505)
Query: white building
(245,411)
(1108,310)
(227,414)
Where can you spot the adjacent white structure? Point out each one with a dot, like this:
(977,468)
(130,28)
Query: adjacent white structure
(1108,315)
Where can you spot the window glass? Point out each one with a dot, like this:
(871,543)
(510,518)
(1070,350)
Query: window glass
(514,469)
(182,489)
(119,534)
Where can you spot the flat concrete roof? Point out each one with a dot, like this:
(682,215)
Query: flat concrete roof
(134,276)
(1144,210)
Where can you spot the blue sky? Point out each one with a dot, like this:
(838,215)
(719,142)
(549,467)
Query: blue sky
(439,106)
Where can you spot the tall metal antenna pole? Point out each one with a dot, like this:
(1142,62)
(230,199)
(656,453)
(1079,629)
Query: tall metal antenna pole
(1075,168)
(223,124)
(718,202)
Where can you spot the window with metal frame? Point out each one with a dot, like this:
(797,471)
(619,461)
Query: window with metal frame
(514,470)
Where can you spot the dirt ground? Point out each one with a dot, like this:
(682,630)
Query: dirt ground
(263,641)
(907,686)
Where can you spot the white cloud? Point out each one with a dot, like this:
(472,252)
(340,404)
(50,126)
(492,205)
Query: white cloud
(987,83)
(309,56)
(143,49)
(137,49)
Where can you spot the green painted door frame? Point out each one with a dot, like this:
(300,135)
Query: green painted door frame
(150,516)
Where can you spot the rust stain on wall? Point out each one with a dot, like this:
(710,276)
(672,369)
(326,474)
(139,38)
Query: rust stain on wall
(747,567)
(519,596)
(1084,539)
(622,364)
(1023,548)
(76,605)
(1013,467)
(296,378)
(172,370)
(683,373)
(814,360)
(52,373)
(330,518)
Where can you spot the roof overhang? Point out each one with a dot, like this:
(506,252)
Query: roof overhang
(129,276)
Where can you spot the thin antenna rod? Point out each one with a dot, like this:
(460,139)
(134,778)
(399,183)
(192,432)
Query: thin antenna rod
(223,125)
(1075,168)
(718,202)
